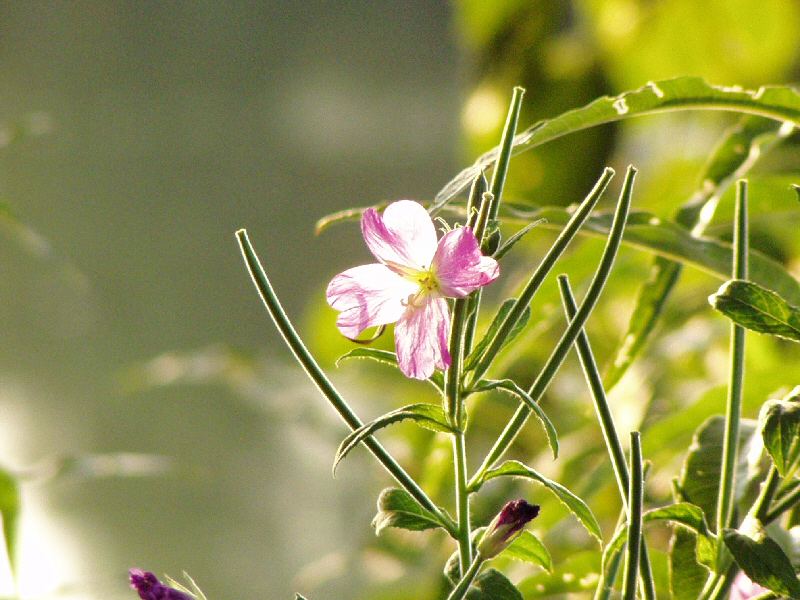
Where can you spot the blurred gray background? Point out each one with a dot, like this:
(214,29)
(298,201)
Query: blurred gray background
(154,130)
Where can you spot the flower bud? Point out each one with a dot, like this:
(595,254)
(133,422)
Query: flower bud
(150,588)
(506,526)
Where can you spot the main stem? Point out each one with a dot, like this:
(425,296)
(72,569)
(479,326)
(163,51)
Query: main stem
(734,403)
(462,502)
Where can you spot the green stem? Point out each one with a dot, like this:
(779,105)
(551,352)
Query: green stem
(787,503)
(635,502)
(609,429)
(538,276)
(466,580)
(570,334)
(506,146)
(734,401)
(768,490)
(453,403)
(324,384)
(462,502)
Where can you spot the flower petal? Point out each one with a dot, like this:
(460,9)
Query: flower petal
(403,235)
(421,337)
(459,266)
(368,295)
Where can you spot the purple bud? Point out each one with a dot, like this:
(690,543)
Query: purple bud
(150,588)
(506,526)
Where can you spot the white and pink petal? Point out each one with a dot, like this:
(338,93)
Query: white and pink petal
(421,338)
(368,296)
(459,266)
(403,237)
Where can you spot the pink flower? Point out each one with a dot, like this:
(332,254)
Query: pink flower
(410,284)
(744,588)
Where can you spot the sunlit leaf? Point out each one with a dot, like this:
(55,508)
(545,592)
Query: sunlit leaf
(577,574)
(528,548)
(510,387)
(396,508)
(429,416)
(516,237)
(779,422)
(574,504)
(780,103)
(764,562)
(758,309)
(652,234)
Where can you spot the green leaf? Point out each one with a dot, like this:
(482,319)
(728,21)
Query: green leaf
(576,575)
(9,511)
(764,562)
(388,358)
(687,575)
(664,238)
(429,416)
(516,237)
(574,504)
(493,585)
(781,103)
(510,387)
(700,474)
(758,309)
(681,513)
(396,508)
(472,360)
(779,422)
(528,548)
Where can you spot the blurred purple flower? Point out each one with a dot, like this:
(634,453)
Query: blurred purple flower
(150,588)
(410,283)
(744,588)
(506,526)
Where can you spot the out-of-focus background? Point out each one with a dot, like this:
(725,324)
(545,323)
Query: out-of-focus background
(156,416)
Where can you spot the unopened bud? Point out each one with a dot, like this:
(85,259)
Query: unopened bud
(150,588)
(506,526)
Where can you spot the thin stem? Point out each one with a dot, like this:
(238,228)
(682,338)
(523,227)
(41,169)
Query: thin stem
(453,403)
(635,502)
(734,401)
(462,502)
(609,429)
(506,146)
(313,370)
(768,489)
(542,270)
(466,580)
(550,368)
(787,503)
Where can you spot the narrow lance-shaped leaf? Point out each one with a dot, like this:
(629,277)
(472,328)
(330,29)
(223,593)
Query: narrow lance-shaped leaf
(757,308)
(516,237)
(573,503)
(510,387)
(387,358)
(396,508)
(764,562)
(647,232)
(498,319)
(781,103)
(429,416)
(779,422)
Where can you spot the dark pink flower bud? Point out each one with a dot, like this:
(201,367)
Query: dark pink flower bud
(150,588)
(506,526)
